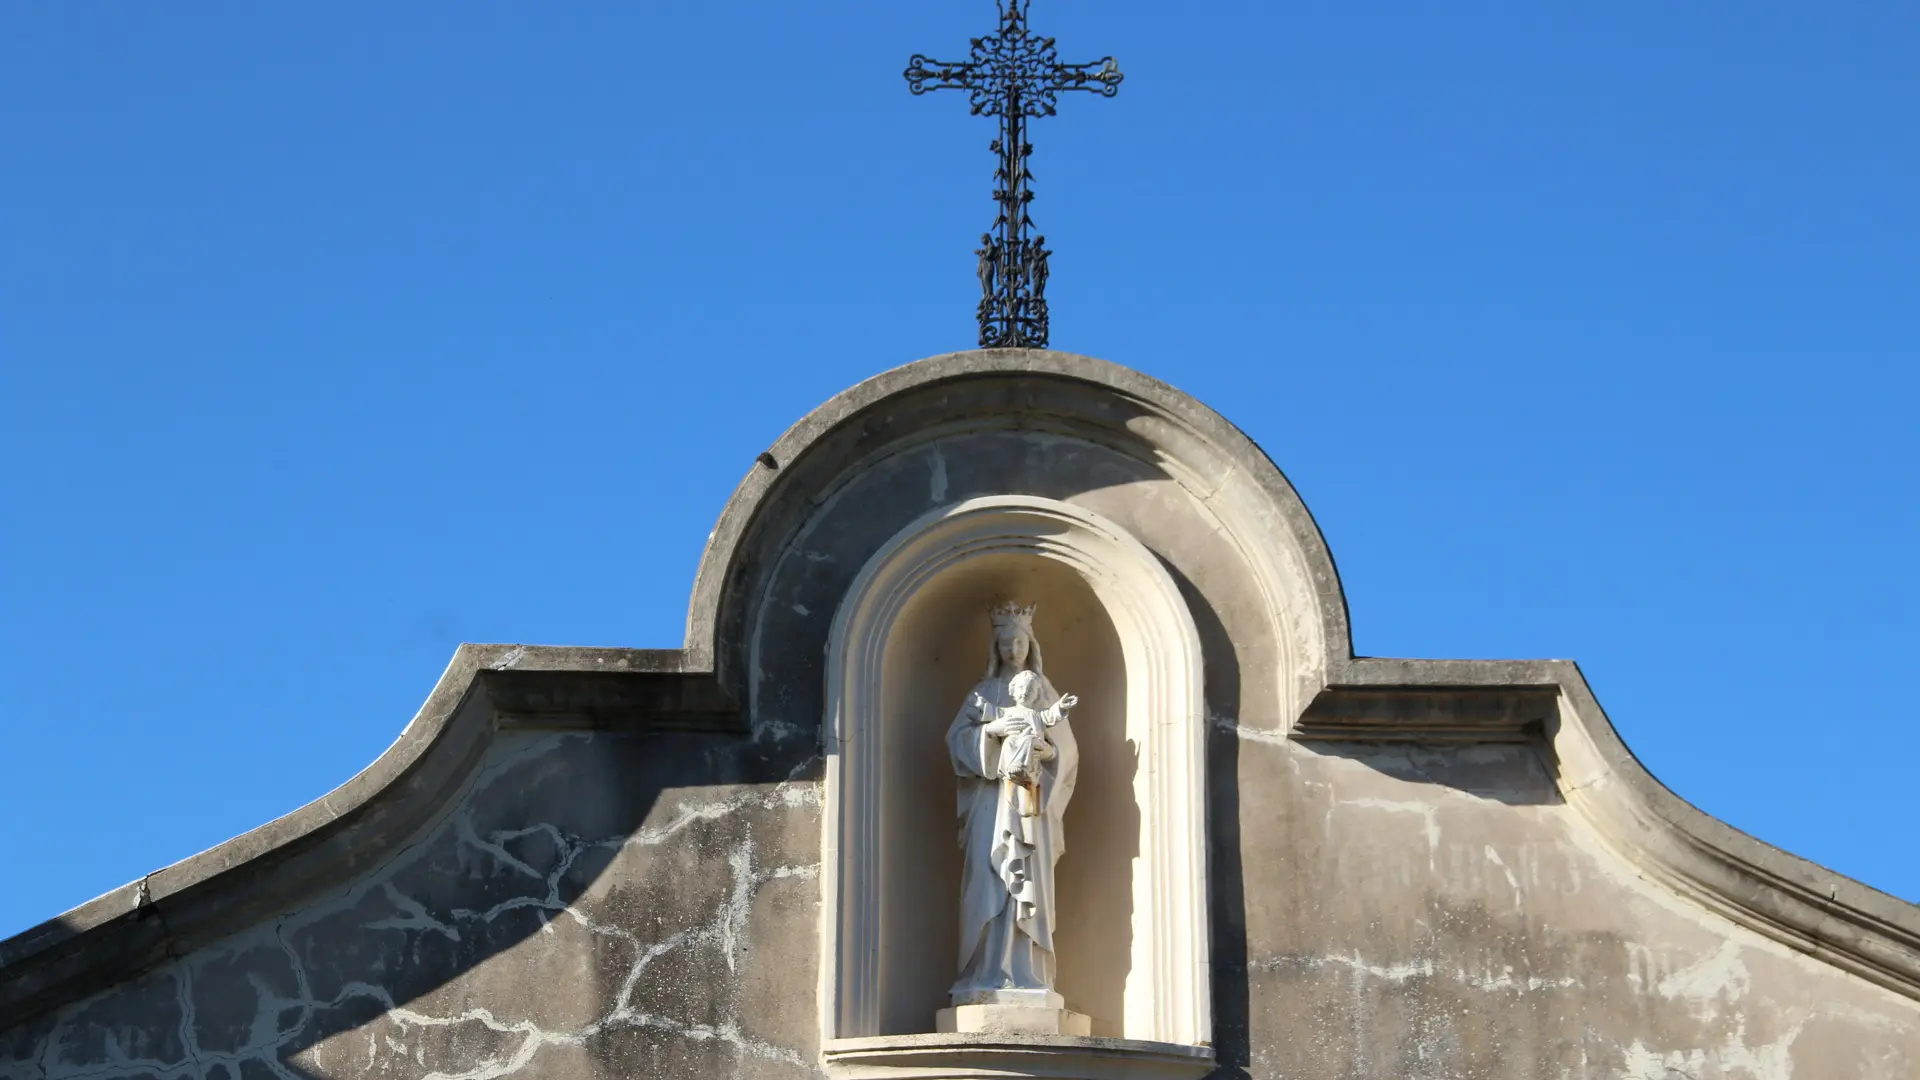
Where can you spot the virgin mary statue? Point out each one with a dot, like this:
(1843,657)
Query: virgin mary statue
(1016,760)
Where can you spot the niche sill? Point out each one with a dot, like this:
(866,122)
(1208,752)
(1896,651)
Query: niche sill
(978,1056)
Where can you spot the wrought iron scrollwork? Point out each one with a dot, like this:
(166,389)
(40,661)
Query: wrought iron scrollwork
(1015,76)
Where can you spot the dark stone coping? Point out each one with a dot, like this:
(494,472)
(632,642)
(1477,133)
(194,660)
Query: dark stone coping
(1437,714)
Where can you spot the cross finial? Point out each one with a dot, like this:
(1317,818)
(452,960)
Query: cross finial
(1015,76)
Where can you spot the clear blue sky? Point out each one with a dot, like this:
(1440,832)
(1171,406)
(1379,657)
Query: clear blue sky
(334,335)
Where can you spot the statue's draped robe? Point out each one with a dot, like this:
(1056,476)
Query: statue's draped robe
(1007,912)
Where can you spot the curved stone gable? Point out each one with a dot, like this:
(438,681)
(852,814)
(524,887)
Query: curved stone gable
(600,862)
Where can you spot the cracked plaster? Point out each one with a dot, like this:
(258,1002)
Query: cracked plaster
(1440,914)
(564,910)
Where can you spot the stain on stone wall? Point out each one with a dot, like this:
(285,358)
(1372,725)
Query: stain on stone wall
(1440,914)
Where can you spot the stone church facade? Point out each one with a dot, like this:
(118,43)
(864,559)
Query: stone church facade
(737,858)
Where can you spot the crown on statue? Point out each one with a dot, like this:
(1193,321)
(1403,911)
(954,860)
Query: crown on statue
(1007,614)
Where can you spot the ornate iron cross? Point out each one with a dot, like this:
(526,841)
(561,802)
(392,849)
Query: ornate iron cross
(1015,76)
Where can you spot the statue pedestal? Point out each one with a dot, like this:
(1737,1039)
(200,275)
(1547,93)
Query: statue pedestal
(1013,1012)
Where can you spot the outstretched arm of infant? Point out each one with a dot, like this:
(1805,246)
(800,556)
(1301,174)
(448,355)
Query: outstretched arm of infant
(1058,710)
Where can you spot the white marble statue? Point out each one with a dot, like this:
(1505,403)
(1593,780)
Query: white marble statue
(1016,760)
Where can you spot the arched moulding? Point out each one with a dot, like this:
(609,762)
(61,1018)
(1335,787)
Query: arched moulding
(1166,1026)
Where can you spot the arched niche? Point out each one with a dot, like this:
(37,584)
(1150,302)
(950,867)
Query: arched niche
(909,640)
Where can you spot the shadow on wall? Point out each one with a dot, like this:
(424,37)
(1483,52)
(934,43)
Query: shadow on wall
(1509,773)
(1514,774)
(1103,835)
(586,895)
(1226,883)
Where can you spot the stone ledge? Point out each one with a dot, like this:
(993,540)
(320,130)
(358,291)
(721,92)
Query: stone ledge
(1463,714)
(984,1057)
(599,700)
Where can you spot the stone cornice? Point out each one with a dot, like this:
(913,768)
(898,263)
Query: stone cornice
(1427,714)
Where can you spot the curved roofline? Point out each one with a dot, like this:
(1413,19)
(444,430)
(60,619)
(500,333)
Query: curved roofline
(221,890)
(805,437)
(203,898)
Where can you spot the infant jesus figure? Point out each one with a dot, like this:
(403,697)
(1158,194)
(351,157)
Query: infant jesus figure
(1023,737)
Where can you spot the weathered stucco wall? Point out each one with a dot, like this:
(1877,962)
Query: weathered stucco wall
(594,905)
(599,904)
(1440,912)
(587,912)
